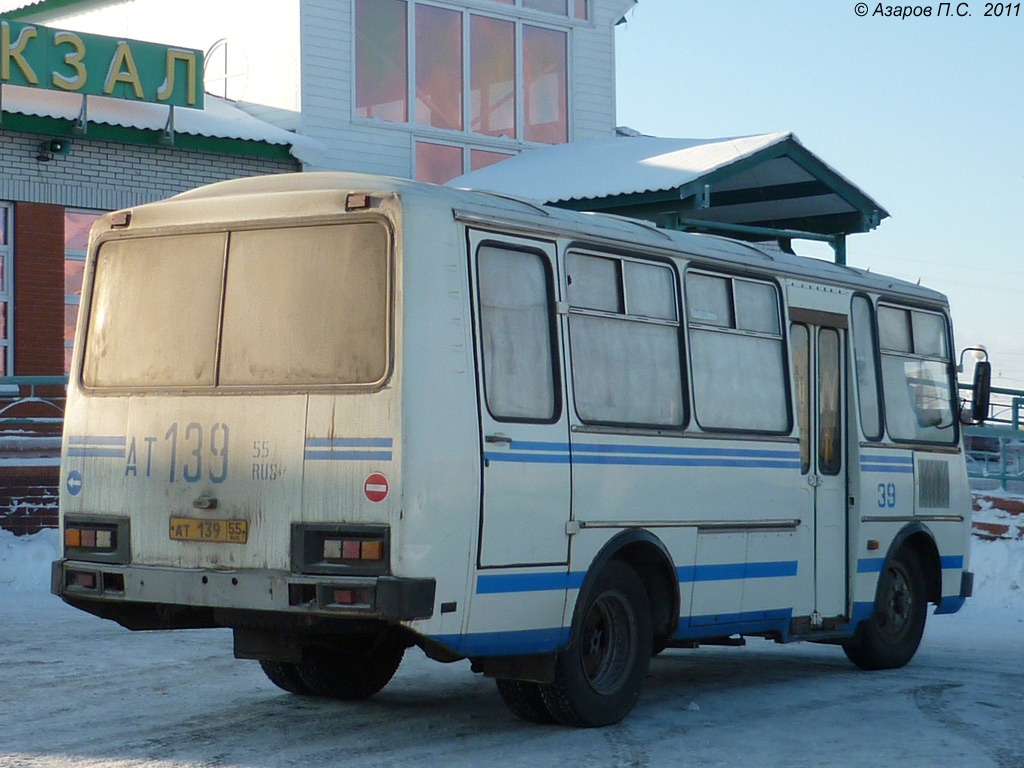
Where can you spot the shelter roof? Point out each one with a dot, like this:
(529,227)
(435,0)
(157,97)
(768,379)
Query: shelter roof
(768,180)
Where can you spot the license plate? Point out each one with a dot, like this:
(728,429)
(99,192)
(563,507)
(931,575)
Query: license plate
(219,531)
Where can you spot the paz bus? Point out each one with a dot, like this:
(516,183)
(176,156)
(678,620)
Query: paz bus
(345,415)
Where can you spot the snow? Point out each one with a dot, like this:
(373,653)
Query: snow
(219,118)
(81,692)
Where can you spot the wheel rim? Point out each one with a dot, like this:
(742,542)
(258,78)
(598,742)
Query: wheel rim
(608,642)
(896,603)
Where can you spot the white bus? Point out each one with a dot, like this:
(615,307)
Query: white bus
(344,415)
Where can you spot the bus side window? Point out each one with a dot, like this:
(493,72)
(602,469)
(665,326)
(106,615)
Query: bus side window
(737,354)
(801,379)
(516,331)
(865,368)
(624,340)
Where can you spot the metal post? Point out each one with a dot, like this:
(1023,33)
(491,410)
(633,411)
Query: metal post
(839,246)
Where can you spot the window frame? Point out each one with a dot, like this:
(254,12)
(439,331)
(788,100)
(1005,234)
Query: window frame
(876,359)
(7,287)
(75,254)
(516,13)
(622,258)
(949,361)
(782,337)
(556,355)
(218,388)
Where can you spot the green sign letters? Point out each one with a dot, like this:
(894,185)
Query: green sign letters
(39,57)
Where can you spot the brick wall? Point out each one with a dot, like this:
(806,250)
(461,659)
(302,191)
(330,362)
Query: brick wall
(108,175)
(98,175)
(38,289)
(28,498)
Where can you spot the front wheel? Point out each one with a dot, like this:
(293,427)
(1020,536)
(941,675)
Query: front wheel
(599,677)
(889,637)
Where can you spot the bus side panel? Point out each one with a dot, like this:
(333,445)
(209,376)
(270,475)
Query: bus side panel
(438,520)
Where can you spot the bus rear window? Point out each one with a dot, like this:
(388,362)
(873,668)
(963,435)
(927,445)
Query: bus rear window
(154,311)
(301,306)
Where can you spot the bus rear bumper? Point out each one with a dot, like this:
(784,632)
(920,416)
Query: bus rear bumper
(100,587)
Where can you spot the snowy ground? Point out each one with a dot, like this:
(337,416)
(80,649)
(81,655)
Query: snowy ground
(81,692)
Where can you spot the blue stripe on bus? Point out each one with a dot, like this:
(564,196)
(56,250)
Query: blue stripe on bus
(532,452)
(870,564)
(732,571)
(888,468)
(505,583)
(684,451)
(564,458)
(950,604)
(500,583)
(885,459)
(96,453)
(528,458)
(745,623)
(875,564)
(349,442)
(90,440)
(514,642)
(347,455)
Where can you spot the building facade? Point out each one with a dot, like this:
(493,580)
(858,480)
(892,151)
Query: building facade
(426,89)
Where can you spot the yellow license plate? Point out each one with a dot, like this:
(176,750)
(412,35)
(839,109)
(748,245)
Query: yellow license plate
(221,531)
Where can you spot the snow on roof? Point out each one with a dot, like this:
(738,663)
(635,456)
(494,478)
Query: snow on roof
(219,119)
(582,169)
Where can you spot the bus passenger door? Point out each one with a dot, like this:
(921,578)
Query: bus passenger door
(524,433)
(818,364)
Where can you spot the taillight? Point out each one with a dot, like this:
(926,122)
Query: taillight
(341,550)
(93,539)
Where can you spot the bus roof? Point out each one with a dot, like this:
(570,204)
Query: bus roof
(489,209)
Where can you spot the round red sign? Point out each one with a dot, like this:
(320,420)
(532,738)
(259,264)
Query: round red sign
(376,487)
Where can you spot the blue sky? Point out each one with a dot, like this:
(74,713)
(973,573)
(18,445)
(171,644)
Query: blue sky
(926,115)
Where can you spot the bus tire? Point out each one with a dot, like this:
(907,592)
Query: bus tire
(599,677)
(525,700)
(355,668)
(889,637)
(285,676)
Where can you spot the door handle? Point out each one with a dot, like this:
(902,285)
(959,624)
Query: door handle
(498,439)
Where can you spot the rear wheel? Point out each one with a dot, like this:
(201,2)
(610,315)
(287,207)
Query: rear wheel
(889,637)
(285,676)
(599,677)
(355,668)
(525,700)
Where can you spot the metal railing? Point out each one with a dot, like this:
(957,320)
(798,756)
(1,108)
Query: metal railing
(995,450)
(32,403)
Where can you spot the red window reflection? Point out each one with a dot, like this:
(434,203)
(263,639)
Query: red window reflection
(545,101)
(492,80)
(381,60)
(437,163)
(481,158)
(581,9)
(548,6)
(438,67)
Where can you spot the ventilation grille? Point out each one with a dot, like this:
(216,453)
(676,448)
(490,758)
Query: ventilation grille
(933,488)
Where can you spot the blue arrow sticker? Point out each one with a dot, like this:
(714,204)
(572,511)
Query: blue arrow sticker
(74,482)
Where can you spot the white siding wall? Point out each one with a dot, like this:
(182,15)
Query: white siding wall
(327,83)
(267,32)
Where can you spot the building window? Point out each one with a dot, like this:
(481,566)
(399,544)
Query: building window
(439,68)
(437,163)
(76,240)
(382,60)
(492,81)
(545,96)
(475,73)
(6,294)
(481,158)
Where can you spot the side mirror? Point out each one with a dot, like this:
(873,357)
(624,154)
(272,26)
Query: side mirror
(982,390)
